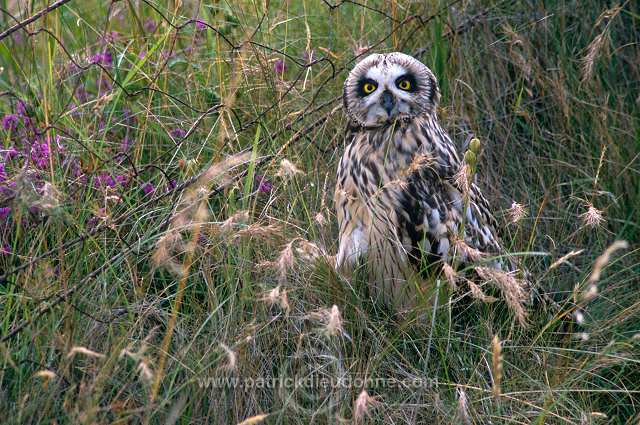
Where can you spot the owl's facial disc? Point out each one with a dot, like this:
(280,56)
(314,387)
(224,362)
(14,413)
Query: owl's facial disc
(387,94)
(382,89)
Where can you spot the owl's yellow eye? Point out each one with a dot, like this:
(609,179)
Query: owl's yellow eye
(369,88)
(404,85)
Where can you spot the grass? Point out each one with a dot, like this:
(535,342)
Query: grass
(153,241)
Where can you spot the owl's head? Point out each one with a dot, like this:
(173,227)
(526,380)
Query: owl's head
(385,87)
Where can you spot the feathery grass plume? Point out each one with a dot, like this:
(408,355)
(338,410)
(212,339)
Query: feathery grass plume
(232,358)
(592,217)
(253,420)
(476,292)
(144,370)
(146,374)
(46,375)
(496,366)
(163,254)
(305,250)
(331,318)
(309,251)
(519,52)
(450,275)
(277,296)
(257,230)
(463,406)
(193,211)
(564,258)
(238,218)
(334,321)
(50,197)
(465,251)
(512,290)
(462,178)
(592,288)
(599,44)
(361,406)
(419,162)
(320,219)
(285,260)
(220,172)
(288,169)
(516,213)
(84,351)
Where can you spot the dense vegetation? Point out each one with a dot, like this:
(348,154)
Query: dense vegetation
(166,219)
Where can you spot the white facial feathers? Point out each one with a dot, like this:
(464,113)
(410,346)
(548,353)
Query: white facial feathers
(369,108)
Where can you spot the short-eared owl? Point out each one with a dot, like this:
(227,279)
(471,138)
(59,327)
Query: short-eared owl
(399,202)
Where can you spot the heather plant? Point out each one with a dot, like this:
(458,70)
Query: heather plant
(167,229)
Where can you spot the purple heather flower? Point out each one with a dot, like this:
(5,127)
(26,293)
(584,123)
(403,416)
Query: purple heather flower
(150,25)
(10,122)
(103,58)
(3,174)
(40,154)
(111,36)
(21,108)
(5,249)
(81,94)
(142,54)
(104,180)
(6,190)
(148,188)
(4,212)
(122,179)
(280,67)
(10,153)
(178,133)
(200,24)
(166,54)
(125,144)
(264,185)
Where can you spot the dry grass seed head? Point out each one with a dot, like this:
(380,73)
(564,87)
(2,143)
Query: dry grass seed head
(419,162)
(463,406)
(238,218)
(277,296)
(146,374)
(512,289)
(253,420)
(476,292)
(462,179)
(231,357)
(450,275)
(600,44)
(592,288)
(361,406)
(516,213)
(564,258)
(592,217)
(84,351)
(285,261)
(320,219)
(466,251)
(259,231)
(496,365)
(331,319)
(288,169)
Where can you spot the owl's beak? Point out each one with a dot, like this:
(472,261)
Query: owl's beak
(387,101)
